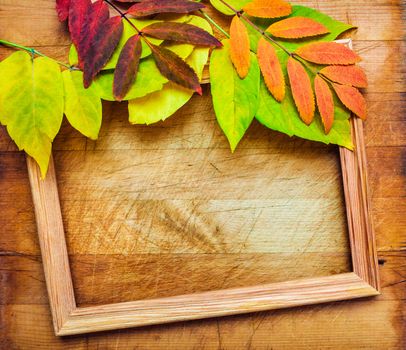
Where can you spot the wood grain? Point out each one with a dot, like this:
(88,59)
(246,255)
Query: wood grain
(356,324)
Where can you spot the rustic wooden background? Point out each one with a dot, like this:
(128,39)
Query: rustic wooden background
(164,210)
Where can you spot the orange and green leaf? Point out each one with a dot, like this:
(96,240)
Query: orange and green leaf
(297,27)
(271,69)
(240,47)
(268,8)
(328,53)
(301,90)
(325,103)
(352,99)
(347,75)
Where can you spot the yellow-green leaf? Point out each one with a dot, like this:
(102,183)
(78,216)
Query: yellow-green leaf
(235,100)
(83,107)
(31,103)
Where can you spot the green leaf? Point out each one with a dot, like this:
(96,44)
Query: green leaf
(237,4)
(235,100)
(83,107)
(31,103)
(284,117)
(335,28)
(160,105)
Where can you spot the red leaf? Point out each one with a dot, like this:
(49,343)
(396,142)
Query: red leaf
(240,47)
(347,75)
(151,7)
(268,8)
(271,69)
(297,27)
(181,32)
(301,90)
(352,99)
(127,67)
(328,53)
(104,43)
(325,102)
(97,14)
(62,8)
(175,69)
(78,12)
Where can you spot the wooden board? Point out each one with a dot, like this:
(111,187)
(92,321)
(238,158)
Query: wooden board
(387,186)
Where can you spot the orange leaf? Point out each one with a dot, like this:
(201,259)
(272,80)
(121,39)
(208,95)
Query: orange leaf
(328,53)
(347,75)
(301,90)
(239,47)
(271,69)
(352,99)
(297,27)
(325,103)
(268,8)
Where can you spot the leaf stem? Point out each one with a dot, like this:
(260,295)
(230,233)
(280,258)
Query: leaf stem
(33,52)
(123,15)
(253,25)
(213,22)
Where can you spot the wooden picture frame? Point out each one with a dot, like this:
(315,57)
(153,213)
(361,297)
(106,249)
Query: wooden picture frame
(70,319)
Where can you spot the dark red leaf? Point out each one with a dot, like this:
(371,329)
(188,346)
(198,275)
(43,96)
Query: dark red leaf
(78,11)
(175,69)
(103,45)
(127,67)
(151,7)
(97,14)
(181,32)
(62,8)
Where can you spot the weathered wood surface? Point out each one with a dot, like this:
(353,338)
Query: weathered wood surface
(128,198)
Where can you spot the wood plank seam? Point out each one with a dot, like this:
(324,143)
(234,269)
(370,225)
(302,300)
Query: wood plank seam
(69,319)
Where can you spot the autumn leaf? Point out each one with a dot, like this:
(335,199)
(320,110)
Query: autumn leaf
(297,27)
(325,103)
(127,67)
(62,8)
(31,103)
(97,14)
(301,90)
(78,12)
(149,79)
(284,117)
(328,53)
(239,47)
(161,104)
(181,32)
(83,107)
(235,4)
(151,7)
(103,46)
(347,75)
(268,8)
(175,69)
(352,99)
(235,100)
(271,69)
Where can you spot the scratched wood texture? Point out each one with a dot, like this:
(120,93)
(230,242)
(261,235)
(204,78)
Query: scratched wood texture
(167,209)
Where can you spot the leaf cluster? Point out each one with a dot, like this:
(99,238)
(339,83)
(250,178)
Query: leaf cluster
(279,66)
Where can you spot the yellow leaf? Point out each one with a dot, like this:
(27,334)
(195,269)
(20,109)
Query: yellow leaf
(31,103)
(83,107)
